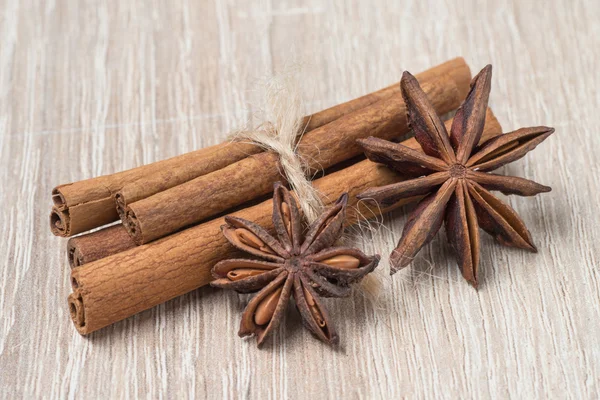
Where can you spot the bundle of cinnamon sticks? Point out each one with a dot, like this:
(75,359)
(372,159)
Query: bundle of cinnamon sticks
(167,242)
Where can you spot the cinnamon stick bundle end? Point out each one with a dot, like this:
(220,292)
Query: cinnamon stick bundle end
(73,255)
(59,222)
(96,245)
(70,219)
(77,312)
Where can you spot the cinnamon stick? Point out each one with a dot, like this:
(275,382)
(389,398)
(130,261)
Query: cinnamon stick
(87,204)
(201,198)
(96,245)
(119,286)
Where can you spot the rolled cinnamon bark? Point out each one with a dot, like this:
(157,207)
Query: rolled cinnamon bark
(88,204)
(119,286)
(456,69)
(76,308)
(96,245)
(208,195)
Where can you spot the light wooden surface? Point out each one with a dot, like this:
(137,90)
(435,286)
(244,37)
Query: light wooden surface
(89,88)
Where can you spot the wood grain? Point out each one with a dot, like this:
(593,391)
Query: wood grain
(80,82)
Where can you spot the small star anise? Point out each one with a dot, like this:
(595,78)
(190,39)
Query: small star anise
(305,267)
(452,174)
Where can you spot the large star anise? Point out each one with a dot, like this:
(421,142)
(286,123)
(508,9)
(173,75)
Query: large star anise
(306,267)
(452,173)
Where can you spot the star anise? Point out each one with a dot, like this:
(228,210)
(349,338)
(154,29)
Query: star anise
(452,174)
(305,267)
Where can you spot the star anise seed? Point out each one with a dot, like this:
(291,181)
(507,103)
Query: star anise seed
(305,267)
(452,173)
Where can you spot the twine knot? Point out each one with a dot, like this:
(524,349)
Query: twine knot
(281,133)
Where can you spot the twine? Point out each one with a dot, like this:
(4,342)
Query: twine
(283,109)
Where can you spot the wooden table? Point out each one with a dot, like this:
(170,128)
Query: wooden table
(90,88)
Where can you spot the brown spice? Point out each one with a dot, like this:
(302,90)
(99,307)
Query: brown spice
(127,283)
(453,175)
(291,264)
